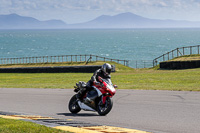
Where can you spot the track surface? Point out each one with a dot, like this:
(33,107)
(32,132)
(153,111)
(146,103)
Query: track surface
(154,111)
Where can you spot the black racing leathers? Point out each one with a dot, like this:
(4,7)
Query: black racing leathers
(93,79)
(98,73)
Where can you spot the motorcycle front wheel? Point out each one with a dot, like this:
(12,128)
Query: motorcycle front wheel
(73,105)
(104,109)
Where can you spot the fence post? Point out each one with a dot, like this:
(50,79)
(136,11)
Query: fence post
(54,59)
(177,52)
(40,59)
(163,57)
(154,61)
(168,55)
(43,59)
(66,58)
(91,58)
(190,50)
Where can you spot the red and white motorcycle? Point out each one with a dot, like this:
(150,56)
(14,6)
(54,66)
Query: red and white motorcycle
(99,99)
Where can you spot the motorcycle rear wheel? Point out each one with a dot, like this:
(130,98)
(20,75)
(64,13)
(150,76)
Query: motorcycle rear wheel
(104,109)
(73,105)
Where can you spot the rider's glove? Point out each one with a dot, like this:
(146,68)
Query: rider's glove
(115,86)
(97,83)
(100,79)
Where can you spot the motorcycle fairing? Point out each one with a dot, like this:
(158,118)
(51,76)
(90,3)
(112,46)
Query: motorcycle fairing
(98,91)
(104,99)
(100,94)
(85,107)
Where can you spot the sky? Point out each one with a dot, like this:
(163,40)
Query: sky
(77,11)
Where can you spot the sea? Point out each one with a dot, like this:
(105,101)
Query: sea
(125,44)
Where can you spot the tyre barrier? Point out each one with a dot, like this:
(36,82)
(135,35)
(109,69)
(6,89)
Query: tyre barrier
(57,69)
(180,64)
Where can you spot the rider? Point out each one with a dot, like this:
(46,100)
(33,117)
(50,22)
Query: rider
(103,72)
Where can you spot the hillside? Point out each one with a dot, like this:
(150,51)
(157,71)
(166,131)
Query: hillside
(123,20)
(130,20)
(14,21)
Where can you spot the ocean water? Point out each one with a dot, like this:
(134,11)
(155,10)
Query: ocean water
(128,44)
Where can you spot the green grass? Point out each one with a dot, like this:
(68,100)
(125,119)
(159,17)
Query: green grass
(53,64)
(186,58)
(149,79)
(18,126)
(125,78)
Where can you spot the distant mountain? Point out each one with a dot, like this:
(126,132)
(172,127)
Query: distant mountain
(14,21)
(130,20)
(123,20)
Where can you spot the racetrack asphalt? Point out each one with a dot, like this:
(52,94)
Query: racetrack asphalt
(148,110)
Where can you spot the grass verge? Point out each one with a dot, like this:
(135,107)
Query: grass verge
(51,64)
(125,78)
(187,58)
(18,126)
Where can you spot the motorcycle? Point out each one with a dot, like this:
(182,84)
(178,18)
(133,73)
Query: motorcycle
(99,99)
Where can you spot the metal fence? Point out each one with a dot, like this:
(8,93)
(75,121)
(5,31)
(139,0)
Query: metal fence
(141,63)
(59,59)
(74,58)
(190,50)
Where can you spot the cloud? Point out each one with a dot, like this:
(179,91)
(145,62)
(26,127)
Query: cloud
(94,5)
(88,9)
